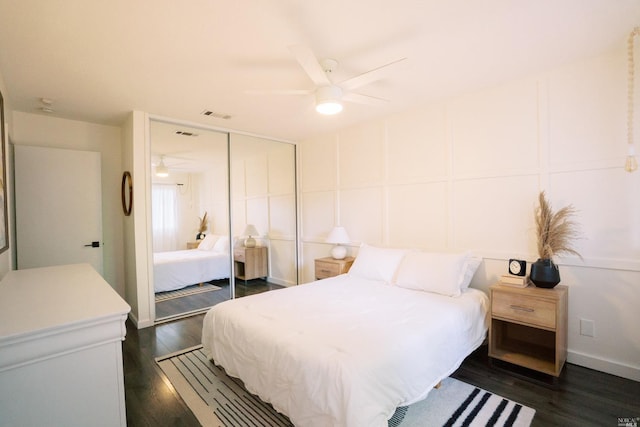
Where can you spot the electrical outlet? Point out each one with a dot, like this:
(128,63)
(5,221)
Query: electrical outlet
(587,328)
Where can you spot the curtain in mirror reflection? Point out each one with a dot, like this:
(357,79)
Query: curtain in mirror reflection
(164,217)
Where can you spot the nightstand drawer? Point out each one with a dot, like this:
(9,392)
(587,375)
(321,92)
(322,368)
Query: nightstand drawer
(327,269)
(238,255)
(531,311)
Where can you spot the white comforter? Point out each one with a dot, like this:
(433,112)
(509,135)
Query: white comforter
(344,351)
(177,269)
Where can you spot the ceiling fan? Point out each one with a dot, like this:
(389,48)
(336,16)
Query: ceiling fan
(329,95)
(162,163)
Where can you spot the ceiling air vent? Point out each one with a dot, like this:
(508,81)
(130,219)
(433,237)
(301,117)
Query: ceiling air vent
(216,115)
(185,133)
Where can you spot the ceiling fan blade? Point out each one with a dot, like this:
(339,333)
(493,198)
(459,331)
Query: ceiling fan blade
(310,64)
(279,91)
(368,77)
(364,99)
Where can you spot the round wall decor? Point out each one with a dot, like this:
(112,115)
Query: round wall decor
(127,193)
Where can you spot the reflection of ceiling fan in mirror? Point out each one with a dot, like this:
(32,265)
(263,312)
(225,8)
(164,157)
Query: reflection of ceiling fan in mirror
(162,163)
(329,95)
(161,169)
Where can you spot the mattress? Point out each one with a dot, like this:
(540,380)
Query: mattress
(177,269)
(344,351)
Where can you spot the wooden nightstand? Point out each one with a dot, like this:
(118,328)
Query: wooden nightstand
(329,267)
(529,327)
(250,263)
(193,245)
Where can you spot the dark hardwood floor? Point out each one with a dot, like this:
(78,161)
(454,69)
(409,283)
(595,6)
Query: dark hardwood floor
(580,397)
(174,308)
(150,398)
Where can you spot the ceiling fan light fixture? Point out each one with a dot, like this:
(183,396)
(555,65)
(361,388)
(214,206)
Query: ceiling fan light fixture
(328,100)
(162,170)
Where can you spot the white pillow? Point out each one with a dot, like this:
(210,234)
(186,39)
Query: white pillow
(208,242)
(432,272)
(222,245)
(375,263)
(470,267)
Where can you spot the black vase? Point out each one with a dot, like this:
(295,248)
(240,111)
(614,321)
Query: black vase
(544,273)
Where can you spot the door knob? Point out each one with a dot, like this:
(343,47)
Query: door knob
(93,245)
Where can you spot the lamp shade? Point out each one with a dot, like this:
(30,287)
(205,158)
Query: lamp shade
(250,230)
(338,236)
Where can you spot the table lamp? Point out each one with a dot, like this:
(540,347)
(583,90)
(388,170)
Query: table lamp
(250,231)
(338,237)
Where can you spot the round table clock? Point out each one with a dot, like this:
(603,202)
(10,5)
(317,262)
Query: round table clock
(517,267)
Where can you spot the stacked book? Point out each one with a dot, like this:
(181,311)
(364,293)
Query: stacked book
(516,281)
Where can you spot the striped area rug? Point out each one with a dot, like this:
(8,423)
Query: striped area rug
(189,290)
(219,400)
(457,403)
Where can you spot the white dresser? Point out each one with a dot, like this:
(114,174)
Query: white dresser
(61,333)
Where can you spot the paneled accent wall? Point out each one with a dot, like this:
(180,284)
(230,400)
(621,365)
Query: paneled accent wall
(463,174)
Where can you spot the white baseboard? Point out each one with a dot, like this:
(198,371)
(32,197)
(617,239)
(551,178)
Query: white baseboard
(138,324)
(604,365)
(280,282)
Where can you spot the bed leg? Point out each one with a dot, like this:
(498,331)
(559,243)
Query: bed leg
(437,386)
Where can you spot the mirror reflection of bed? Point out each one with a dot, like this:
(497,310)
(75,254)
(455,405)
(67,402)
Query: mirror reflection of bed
(189,188)
(193,251)
(192,279)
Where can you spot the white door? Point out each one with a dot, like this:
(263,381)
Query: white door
(58,207)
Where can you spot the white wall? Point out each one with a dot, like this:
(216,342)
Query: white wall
(464,174)
(137,227)
(49,131)
(128,223)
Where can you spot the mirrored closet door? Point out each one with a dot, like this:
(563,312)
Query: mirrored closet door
(190,219)
(263,206)
(223,217)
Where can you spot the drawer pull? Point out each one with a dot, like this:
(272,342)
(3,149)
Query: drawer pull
(521,308)
(325,271)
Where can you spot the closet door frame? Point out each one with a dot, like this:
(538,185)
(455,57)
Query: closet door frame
(229,133)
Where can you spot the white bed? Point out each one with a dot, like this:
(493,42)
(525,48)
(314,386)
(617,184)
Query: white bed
(347,351)
(177,269)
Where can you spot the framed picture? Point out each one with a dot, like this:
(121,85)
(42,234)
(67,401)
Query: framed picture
(4,221)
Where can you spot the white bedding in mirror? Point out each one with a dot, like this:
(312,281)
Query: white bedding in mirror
(344,351)
(177,269)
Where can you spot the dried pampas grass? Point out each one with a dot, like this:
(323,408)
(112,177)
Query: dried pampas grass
(556,231)
(203,223)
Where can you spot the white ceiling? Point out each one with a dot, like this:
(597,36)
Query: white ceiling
(98,60)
